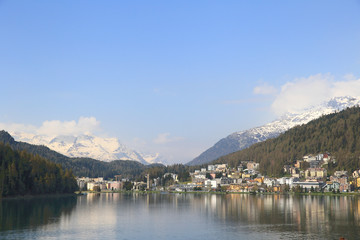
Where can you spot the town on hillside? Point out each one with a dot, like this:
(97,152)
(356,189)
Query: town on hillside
(308,174)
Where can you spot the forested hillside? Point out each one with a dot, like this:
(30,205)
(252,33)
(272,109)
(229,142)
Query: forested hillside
(80,166)
(22,173)
(337,133)
(94,168)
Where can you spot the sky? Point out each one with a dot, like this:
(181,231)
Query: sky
(172,77)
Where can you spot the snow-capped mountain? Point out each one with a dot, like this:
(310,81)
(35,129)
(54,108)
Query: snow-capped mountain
(154,158)
(243,139)
(88,146)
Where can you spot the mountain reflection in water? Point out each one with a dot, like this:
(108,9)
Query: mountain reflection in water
(182,216)
(34,212)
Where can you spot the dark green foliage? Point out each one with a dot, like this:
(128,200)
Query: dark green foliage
(23,173)
(218,175)
(167,181)
(34,212)
(80,166)
(335,133)
(93,168)
(128,186)
(159,170)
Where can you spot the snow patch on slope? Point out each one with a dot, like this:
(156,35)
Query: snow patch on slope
(243,139)
(88,146)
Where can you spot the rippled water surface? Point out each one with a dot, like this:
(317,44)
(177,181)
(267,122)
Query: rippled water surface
(181,216)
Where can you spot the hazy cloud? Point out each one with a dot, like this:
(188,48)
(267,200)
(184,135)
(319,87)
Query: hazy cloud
(85,125)
(18,127)
(172,148)
(305,92)
(265,89)
(242,101)
(164,138)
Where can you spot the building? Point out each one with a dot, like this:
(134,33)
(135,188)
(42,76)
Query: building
(252,165)
(287,181)
(114,185)
(91,185)
(340,174)
(309,185)
(221,167)
(356,174)
(309,158)
(315,164)
(269,182)
(299,164)
(331,186)
(260,180)
(211,184)
(211,168)
(235,188)
(287,168)
(315,173)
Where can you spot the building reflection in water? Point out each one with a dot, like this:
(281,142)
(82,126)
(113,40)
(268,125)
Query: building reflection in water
(285,212)
(162,214)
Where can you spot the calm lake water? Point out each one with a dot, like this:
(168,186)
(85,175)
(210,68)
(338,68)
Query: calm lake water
(181,216)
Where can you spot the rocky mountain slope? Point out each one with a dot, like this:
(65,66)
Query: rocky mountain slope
(336,134)
(82,167)
(88,146)
(243,139)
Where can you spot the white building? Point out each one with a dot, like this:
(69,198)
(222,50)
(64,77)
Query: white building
(211,183)
(269,182)
(211,168)
(287,181)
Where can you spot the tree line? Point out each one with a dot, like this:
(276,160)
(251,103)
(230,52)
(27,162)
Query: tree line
(87,167)
(22,173)
(337,133)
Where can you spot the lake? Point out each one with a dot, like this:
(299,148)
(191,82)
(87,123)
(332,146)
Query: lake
(181,216)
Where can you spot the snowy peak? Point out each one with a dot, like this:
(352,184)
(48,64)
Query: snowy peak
(243,139)
(88,146)
(154,158)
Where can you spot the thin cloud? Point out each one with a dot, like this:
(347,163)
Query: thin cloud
(18,127)
(265,89)
(85,125)
(164,138)
(244,101)
(296,95)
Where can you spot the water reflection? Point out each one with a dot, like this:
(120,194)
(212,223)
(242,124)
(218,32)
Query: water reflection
(314,216)
(182,216)
(34,212)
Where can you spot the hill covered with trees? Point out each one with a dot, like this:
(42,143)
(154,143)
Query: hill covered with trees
(337,133)
(22,173)
(80,166)
(94,168)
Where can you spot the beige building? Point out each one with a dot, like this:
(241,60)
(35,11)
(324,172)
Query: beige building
(252,165)
(315,173)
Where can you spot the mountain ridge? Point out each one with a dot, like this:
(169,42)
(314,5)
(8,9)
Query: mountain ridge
(80,166)
(336,134)
(89,146)
(243,139)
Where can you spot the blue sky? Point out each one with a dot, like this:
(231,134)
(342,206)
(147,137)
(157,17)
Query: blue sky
(173,76)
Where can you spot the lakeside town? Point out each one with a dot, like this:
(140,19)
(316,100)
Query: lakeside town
(308,174)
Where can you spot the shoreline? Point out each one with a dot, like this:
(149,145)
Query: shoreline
(224,193)
(82,193)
